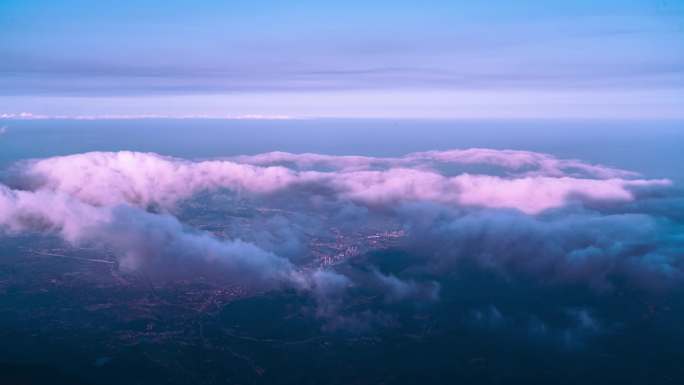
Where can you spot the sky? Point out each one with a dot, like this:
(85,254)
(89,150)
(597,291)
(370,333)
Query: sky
(351,59)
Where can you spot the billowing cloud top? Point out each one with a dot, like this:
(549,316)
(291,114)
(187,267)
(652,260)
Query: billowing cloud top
(516,211)
(531,182)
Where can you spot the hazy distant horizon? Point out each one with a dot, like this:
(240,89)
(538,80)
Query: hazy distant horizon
(648,146)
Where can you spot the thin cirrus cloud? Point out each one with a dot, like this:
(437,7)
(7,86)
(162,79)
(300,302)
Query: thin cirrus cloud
(446,60)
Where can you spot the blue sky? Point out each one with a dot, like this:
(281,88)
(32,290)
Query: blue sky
(429,59)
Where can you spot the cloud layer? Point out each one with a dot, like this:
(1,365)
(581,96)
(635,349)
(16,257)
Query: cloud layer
(531,182)
(519,213)
(157,244)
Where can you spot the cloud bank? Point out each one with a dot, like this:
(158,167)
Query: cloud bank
(157,244)
(518,213)
(532,182)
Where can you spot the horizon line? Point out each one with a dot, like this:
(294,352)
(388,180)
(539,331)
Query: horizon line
(25,116)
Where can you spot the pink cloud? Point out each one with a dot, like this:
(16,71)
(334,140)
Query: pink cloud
(512,160)
(104,198)
(157,244)
(529,194)
(145,179)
